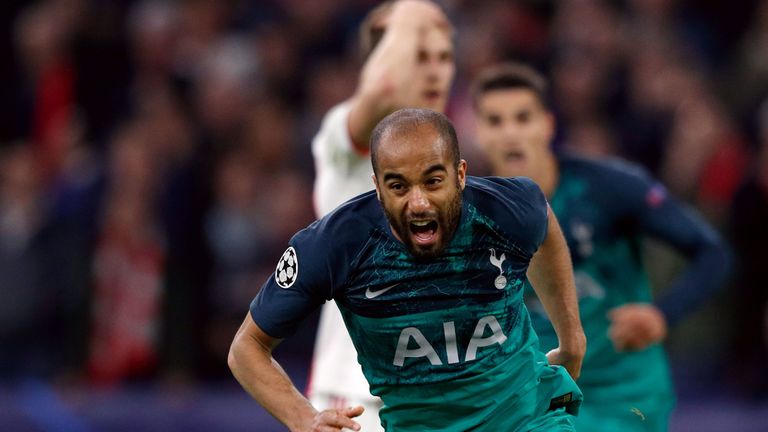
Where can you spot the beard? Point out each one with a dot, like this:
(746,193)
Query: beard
(447,220)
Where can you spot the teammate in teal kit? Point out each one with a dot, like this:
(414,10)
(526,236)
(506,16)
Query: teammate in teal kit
(605,207)
(428,271)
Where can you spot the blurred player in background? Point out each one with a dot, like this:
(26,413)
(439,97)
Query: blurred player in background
(410,64)
(428,272)
(605,207)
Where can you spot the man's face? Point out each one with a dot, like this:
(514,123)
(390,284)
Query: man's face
(434,70)
(420,190)
(435,60)
(515,131)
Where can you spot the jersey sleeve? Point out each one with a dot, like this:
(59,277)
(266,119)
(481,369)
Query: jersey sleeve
(303,280)
(535,220)
(655,213)
(522,213)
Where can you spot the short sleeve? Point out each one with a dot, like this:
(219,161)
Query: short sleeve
(535,215)
(301,282)
(517,205)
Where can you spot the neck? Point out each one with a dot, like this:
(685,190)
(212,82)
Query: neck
(548,177)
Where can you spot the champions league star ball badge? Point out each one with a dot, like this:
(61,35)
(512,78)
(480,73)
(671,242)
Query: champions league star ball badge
(287,268)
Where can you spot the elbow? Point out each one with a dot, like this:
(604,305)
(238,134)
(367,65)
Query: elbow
(725,256)
(232,356)
(728,258)
(719,259)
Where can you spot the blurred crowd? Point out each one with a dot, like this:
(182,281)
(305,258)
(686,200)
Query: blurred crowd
(155,155)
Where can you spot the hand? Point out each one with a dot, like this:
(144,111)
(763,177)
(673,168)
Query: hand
(333,420)
(416,13)
(570,359)
(389,75)
(635,326)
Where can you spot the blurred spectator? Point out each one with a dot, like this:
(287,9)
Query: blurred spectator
(44,33)
(749,348)
(260,200)
(706,156)
(746,79)
(225,86)
(28,309)
(128,266)
(37,279)
(154,29)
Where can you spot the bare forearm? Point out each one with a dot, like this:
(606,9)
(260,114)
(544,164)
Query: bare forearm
(381,80)
(551,274)
(263,378)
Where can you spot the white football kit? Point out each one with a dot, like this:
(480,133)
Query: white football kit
(342,172)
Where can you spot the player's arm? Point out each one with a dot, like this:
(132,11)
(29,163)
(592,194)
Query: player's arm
(386,81)
(551,275)
(637,325)
(250,359)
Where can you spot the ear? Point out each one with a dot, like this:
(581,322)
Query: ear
(462,173)
(376,186)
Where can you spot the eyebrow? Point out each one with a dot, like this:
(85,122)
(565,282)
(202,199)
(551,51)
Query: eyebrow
(433,168)
(393,176)
(428,171)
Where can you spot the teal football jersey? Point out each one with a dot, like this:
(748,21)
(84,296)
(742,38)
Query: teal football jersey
(605,208)
(447,343)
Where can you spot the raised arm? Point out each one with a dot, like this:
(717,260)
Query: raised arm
(551,275)
(250,359)
(388,80)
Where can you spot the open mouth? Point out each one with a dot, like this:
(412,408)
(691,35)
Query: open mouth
(423,232)
(514,155)
(432,95)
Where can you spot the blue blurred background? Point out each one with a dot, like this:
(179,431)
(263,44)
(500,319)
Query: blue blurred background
(155,159)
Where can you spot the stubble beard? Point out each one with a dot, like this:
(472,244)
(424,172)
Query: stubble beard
(448,222)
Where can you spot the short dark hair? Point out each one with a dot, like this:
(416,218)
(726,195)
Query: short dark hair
(407,120)
(508,76)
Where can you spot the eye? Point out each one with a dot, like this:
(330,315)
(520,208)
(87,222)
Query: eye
(396,187)
(422,56)
(434,182)
(523,117)
(493,120)
(446,56)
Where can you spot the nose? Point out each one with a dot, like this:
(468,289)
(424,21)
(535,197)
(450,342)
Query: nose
(511,129)
(434,68)
(417,201)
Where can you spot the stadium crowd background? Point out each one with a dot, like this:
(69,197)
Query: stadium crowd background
(155,159)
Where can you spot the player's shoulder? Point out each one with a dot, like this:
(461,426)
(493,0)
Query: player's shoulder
(349,224)
(508,200)
(610,169)
(515,205)
(621,183)
(333,127)
(504,189)
(336,117)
